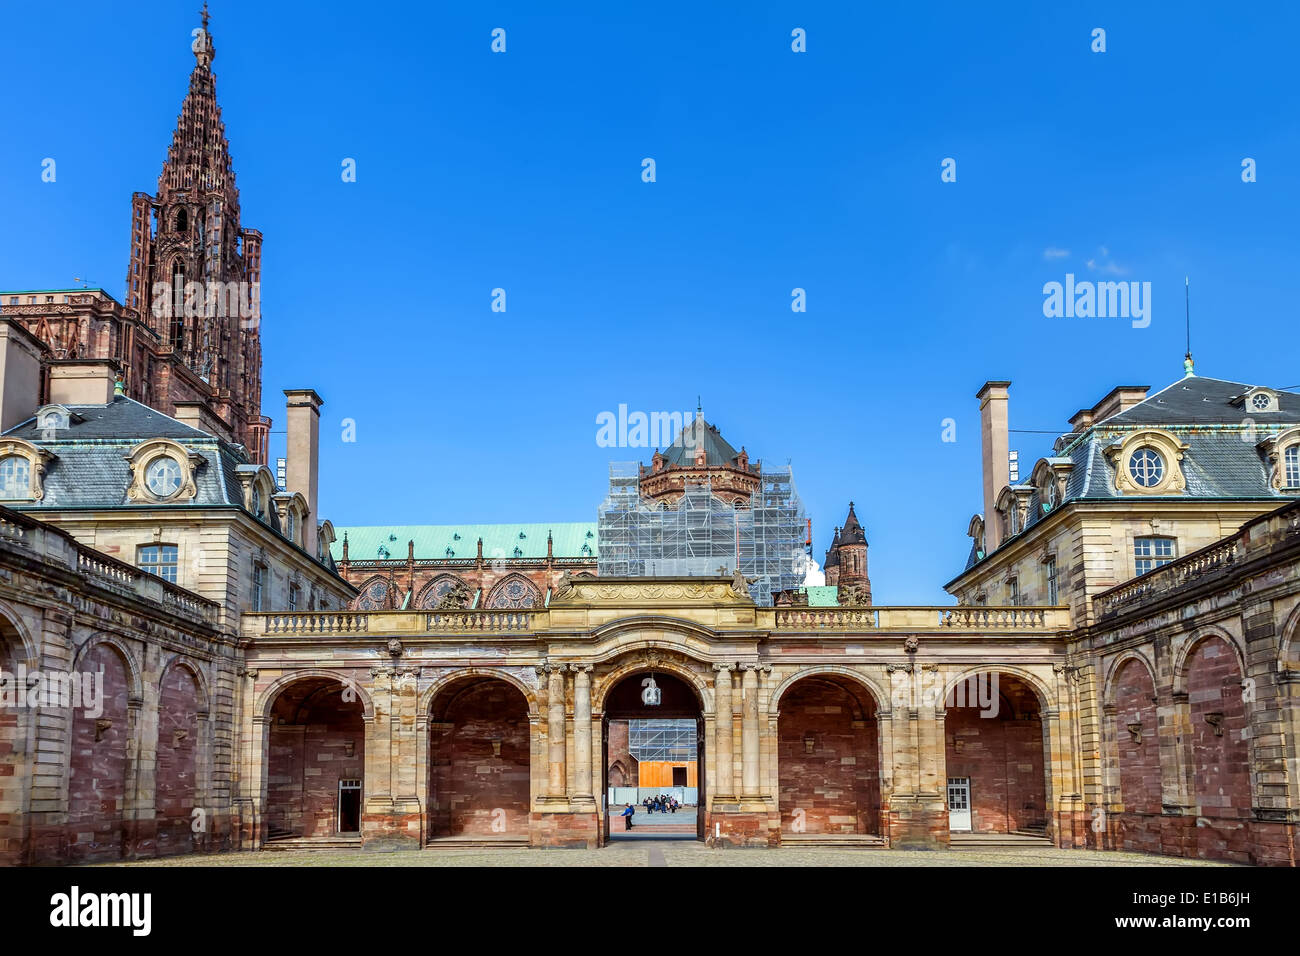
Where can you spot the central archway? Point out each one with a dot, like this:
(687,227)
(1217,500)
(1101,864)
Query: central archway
(653,743)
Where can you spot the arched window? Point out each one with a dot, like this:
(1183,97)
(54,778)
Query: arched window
(1291,467)
(178,304)
(182,220)
(15,477)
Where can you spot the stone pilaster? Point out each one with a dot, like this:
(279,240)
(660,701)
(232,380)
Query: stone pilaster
(724,734)
(584,798)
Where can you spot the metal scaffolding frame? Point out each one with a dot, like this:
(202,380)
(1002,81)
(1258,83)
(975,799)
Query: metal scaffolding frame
(672,740)
(703,535)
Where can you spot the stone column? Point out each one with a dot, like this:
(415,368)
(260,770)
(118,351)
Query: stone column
(749,749)
(724,729)
(556,790)
(582,731)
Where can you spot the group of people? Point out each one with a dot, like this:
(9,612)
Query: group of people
(664,803)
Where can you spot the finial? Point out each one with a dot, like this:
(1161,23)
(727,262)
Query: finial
(1188,365)
(202,46)
(119,386)
(204,14)
(699,405)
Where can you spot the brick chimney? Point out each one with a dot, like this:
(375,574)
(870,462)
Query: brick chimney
(302,464)
(995,445)
(20,374)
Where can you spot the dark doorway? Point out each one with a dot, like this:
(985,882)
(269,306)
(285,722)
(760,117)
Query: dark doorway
(350,806)
(653,746)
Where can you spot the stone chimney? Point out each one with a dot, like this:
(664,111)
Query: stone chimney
(995,445)
(302,464)
(20,374)
(82,381)
(199,415)
(1120,399)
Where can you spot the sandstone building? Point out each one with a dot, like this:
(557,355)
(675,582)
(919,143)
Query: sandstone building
(1119,670)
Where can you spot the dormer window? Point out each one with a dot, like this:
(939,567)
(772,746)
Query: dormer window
(1291,467)
(1259,400)
(1148,462)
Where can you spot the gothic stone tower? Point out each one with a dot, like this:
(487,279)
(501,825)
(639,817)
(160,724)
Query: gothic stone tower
(195,272)
(846,562)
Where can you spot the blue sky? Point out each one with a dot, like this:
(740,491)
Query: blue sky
(775,170)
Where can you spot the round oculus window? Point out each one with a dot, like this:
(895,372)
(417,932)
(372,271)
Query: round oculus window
(1146,467)
(163,477)
(1259,401)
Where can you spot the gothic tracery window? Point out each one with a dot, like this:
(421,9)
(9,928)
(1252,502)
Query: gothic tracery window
(514,592)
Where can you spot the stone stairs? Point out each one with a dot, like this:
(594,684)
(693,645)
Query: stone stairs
(475,840)
(861,841)
(337,841)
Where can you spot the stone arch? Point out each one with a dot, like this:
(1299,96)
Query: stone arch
(315,750)
(461,673)
(16,736)
(1217,744)
(828,753)
(1135,654)
(428,596)
(186,663)
(1185,652)
(136,680)
(1046,699)
(630,662)
(14,621)
(180,756)
(1002,758)
(1288,652)
(480,757)
(1132,742)
(103,753)
(280,684)
(874,689)
(513,591)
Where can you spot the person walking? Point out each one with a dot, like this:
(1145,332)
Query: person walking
(627,817)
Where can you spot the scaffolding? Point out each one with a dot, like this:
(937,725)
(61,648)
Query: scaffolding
(672,740)
(702,535)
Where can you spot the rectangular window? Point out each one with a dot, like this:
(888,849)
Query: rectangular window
(1292,459)
(1152,553)
(159,559)
(259,585)
(293,597)
(1013,592)
(1052,594)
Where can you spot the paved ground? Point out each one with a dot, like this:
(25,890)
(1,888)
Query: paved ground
(677,853)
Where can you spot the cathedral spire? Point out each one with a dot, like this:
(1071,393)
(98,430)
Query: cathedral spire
(204,50)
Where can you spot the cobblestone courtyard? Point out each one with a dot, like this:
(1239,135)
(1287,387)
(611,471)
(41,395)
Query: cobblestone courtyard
(678,853)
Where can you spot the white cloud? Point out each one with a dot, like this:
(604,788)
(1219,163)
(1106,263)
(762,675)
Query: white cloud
(1051,252)
(1104,264)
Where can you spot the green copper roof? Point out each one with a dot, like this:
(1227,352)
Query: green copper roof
(823,595)
(499,540)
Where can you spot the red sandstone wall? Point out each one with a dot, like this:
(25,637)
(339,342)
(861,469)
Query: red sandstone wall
(98,768)
(472,789)
(325,743)
(178,739)
(1138,826)
(1003,756)
(11,783)
(1220,763)
(837,786)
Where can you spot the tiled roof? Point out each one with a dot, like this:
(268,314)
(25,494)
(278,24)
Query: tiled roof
(461,540)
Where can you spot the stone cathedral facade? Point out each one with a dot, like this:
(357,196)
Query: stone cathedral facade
(185,668)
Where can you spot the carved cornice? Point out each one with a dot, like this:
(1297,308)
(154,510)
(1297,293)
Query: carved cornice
(640,593)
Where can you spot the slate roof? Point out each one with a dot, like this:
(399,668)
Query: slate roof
(717,451)
(89,468)
(499,540)
(1222,460)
